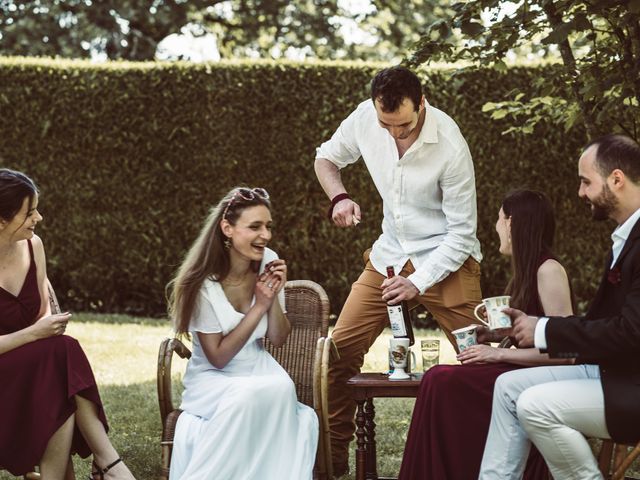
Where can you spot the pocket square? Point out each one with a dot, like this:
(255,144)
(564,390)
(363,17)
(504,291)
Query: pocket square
(614,276)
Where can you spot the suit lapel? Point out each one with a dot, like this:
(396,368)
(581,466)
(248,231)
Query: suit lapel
(633,237)
(603,281)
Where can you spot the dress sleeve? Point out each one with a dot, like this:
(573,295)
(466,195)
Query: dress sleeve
(205,319)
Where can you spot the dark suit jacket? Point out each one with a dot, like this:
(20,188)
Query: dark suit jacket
(609,335)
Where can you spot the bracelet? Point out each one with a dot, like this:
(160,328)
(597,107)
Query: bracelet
(335,200)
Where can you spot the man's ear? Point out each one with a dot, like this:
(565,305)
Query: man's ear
(617,178)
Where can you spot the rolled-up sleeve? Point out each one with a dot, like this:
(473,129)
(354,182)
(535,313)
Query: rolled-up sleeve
(342,148)
(460,210)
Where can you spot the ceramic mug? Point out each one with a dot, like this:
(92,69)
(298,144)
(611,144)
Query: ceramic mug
(496,317)
(411,361)
(466,337)
(399,349)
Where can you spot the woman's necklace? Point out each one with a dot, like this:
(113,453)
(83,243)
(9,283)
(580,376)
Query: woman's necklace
(229,282)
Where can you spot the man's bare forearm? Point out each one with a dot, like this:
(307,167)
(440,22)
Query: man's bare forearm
(329,177)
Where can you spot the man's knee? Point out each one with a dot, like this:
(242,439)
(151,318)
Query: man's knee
(505,390)
(532,410)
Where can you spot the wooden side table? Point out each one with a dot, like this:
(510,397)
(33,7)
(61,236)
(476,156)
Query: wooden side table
(364,388)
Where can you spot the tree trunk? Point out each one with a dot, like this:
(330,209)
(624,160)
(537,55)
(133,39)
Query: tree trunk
(555,20)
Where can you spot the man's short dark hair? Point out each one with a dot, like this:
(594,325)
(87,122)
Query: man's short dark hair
(392,85)
(617,152)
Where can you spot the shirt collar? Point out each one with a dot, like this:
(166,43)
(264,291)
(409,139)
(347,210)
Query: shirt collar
(623,231)
(429,132)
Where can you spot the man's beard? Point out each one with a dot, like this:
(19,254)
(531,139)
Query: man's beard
(604,205)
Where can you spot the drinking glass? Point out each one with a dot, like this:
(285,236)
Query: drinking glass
(430,353)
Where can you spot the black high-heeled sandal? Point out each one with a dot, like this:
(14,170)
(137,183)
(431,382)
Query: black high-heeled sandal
(101,471)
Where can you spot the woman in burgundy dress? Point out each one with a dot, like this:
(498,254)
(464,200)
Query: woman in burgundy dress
(49,402)
(453,408)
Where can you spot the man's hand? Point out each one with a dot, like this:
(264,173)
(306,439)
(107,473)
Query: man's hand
(397,289)
(346,213)
(524,327)
(485,335)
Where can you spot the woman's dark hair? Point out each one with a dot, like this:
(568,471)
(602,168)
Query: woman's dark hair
(392,85)
(14,188)
(533,228)
(208,257)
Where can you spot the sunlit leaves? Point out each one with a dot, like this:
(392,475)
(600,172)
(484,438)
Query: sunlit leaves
(598,42)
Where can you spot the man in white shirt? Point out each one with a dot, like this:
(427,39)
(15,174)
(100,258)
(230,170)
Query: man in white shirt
(422,168)
(599,396)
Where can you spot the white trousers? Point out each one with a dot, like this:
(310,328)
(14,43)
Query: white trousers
(554,407)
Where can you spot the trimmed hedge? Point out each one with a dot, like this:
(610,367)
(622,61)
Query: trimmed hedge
(129,158)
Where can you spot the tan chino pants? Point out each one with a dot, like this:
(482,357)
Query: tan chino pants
(363,318)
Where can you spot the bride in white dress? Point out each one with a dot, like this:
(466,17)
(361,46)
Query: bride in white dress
(241,419)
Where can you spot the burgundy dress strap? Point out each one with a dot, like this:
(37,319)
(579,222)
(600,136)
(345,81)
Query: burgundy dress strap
(19,311)
(30,251)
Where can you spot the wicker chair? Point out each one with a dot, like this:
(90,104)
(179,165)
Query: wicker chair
(305,356)
(622,455)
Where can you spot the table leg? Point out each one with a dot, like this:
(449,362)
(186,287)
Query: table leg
(370,439)
(360,442)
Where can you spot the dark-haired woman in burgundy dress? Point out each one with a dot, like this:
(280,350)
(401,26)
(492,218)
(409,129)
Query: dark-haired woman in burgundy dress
(453,409)
(49,402)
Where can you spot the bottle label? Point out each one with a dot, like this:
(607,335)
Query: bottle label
(396,318)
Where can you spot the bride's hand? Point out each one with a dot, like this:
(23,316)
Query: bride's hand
(278,268)
(267,287)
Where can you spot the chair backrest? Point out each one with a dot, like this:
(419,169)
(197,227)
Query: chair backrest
(53,300)
(307,307)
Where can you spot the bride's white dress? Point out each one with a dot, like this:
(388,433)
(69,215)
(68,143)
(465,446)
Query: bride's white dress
(242,422)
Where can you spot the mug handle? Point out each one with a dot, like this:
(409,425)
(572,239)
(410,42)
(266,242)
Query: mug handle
(475,312)
(411,362)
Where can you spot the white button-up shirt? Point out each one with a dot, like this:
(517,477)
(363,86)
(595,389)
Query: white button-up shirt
(428,195)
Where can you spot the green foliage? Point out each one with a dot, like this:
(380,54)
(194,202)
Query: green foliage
(130,157)
(131,30)
(597,42)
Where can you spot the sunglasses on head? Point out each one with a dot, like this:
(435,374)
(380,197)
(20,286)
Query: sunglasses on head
(247,194)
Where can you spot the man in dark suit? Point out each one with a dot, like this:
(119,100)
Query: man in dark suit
(598,396)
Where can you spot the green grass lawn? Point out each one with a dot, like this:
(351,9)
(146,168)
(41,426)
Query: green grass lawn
(123,352)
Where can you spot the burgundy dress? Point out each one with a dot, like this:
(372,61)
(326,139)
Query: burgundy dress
(451,419)
(37,383)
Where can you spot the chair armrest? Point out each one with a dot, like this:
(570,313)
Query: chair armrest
(329,354)
(165,356)
(321,456)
